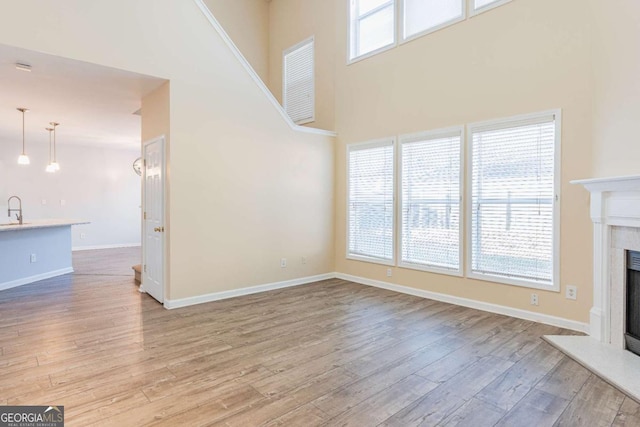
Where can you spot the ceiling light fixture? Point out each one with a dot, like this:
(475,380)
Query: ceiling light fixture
(54,164)
(23,159)
(23,67)
(50,168)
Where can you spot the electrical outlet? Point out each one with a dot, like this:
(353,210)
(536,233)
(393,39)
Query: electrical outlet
(83,235)
(534,299)
(33,258)
(283,263)
(63,202)
(303,260)
(389,272)
(571,292)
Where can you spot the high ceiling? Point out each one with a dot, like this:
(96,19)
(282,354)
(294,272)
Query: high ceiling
(93,104)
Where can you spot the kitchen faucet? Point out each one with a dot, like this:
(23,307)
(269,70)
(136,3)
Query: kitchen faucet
(9,210)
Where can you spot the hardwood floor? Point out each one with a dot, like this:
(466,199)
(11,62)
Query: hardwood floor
(329,353)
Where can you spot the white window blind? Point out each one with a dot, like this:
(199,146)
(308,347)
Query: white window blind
(420,16)
(370,201)
(298,82)
(513,200)
(372,26)
(431,200)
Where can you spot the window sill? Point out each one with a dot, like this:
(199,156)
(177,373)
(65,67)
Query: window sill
(372,53)
(390,263)
(475,12)
(433,29)
(514,282)
(431,269)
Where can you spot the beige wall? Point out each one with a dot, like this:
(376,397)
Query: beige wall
(617,88)
(524,57)
(292,21)
(245,189)
(247,23)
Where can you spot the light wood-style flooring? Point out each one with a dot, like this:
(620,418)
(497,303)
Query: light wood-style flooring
(332,353)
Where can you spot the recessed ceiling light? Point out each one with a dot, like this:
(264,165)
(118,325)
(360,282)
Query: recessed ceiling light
(23,67)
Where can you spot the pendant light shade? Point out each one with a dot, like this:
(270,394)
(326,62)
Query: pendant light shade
(50,168)
(54,165)
(23,159)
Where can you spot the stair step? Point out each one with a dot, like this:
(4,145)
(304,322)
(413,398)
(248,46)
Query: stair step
(138,272)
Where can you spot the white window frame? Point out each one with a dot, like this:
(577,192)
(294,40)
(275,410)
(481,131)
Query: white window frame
(310,40)
(383,142)
(474,12)
(401,27)
(500,123)
(434,134)
(352,32)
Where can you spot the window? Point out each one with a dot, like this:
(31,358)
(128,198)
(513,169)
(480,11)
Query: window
(430,204)
(514,232)
(422,16)
(370,201)
(298,84)
(480,6)
(372,26)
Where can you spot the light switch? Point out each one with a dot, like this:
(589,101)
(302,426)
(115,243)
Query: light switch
(44,201)
(63,202)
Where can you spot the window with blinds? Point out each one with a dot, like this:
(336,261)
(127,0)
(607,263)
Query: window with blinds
(423,16)
(370,201)
(298,85)
(482,5)
(430,200)
(372,26)
(513,200)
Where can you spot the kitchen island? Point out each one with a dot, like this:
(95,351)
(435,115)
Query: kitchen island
(35,250)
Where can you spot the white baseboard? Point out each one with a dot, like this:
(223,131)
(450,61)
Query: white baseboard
(36,278)
(479,305)
(465,302)
(117,245)
(216,296)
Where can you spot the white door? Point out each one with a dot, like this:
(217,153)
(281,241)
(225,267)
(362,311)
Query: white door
(153,218)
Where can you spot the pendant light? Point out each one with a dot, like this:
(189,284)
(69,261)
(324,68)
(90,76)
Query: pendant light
(54,164)
(23,159)
(50,168)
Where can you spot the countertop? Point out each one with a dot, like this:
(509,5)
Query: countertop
(40,223)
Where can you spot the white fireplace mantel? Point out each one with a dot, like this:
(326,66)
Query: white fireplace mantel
(615,211)
(615,202)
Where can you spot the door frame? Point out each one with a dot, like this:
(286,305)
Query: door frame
(165,270)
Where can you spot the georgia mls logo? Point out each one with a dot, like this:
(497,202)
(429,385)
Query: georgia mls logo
(31,416)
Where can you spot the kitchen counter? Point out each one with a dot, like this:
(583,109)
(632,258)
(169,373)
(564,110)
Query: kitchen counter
(40,223)
(35,250)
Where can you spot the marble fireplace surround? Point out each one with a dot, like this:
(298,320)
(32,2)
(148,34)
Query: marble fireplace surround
(615,211)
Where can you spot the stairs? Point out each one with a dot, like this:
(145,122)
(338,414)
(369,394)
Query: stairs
(137,269)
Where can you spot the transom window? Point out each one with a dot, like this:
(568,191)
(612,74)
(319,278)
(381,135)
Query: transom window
(372,26)
(375,26)
(423,16)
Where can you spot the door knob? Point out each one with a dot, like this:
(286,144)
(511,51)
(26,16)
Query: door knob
(159,229)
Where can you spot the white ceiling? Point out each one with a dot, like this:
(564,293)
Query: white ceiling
(93,104)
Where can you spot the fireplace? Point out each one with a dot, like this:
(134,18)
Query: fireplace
(632,335)
(614,319)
